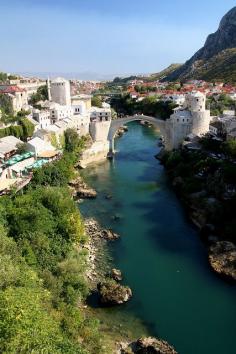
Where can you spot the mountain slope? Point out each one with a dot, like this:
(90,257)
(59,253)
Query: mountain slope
(217,57)
(162,74)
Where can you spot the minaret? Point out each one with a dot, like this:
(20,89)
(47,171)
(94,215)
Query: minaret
(49,90)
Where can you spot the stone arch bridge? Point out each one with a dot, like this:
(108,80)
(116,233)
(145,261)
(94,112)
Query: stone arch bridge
(118,123)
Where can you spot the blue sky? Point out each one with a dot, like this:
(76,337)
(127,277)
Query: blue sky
(106,37)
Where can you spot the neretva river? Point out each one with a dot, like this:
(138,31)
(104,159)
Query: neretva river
(176,295)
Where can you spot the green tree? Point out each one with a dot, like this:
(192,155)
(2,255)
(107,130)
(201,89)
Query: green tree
(27,128)
(96,101)
(21,148)
(3,77)
(6,104)
(72,141)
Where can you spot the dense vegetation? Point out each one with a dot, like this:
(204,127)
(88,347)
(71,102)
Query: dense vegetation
(96,101)
(3,77)
(23,128)
(42,276)
(219,104)
(206,180)
(40,95)
(5,105)
(124,105)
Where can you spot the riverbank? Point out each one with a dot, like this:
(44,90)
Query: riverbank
(202,184)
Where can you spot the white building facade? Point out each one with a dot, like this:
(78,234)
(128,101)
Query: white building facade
(42,117)
(193,119)
(60,91)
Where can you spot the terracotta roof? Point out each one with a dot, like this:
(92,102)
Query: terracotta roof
(10,89)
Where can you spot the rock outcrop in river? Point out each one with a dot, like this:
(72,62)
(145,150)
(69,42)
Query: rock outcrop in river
(149,345)
(116,274)
(113,293)
(109,235)
(81,190)
(222,258)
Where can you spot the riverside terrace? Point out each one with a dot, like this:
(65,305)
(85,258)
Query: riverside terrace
(16,169)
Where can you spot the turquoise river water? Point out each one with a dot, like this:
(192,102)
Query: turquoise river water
(176,295)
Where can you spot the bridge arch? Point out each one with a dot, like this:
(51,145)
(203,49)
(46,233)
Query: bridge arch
(120,122)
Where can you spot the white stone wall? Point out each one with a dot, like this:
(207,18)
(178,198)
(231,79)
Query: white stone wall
(196,102)
(59,112)
(177,128)
(19,100)
(99,130)
(201,122)
(100,113)
(79,108)
(43,118)
(60,91)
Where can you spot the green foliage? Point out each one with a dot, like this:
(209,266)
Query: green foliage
(27,318)
(57,173)
(96,101)
(199,172)
(42,275)
(54,141)
(6,104)
(40,95)
(13,77)
(23,130)
(211,144)
(145,89)
(148,106)
(15,130)
(219,104)
(27,128)
(23,113)
(3,77)
(72,141)
(21,148)
(229,148)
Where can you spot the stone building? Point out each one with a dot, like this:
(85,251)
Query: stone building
(17,95)
(42,117)
(194,118)
(59,91)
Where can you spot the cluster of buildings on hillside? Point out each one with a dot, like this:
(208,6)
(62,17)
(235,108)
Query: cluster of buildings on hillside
(176,92)
(52,117)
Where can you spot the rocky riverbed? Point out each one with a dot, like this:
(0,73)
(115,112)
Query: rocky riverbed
(148,345)
(222,258)
(99,261)
(81,190)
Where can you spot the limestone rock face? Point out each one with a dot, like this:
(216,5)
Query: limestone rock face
(109,235)
(81,189)
(224,38)
(116,274)
(149,345)
(112,293)
(222,258)
(86,193)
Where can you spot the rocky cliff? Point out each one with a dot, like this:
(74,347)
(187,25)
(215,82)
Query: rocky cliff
(219,48)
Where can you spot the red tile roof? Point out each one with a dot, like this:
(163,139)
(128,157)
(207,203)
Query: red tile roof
(10,89)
